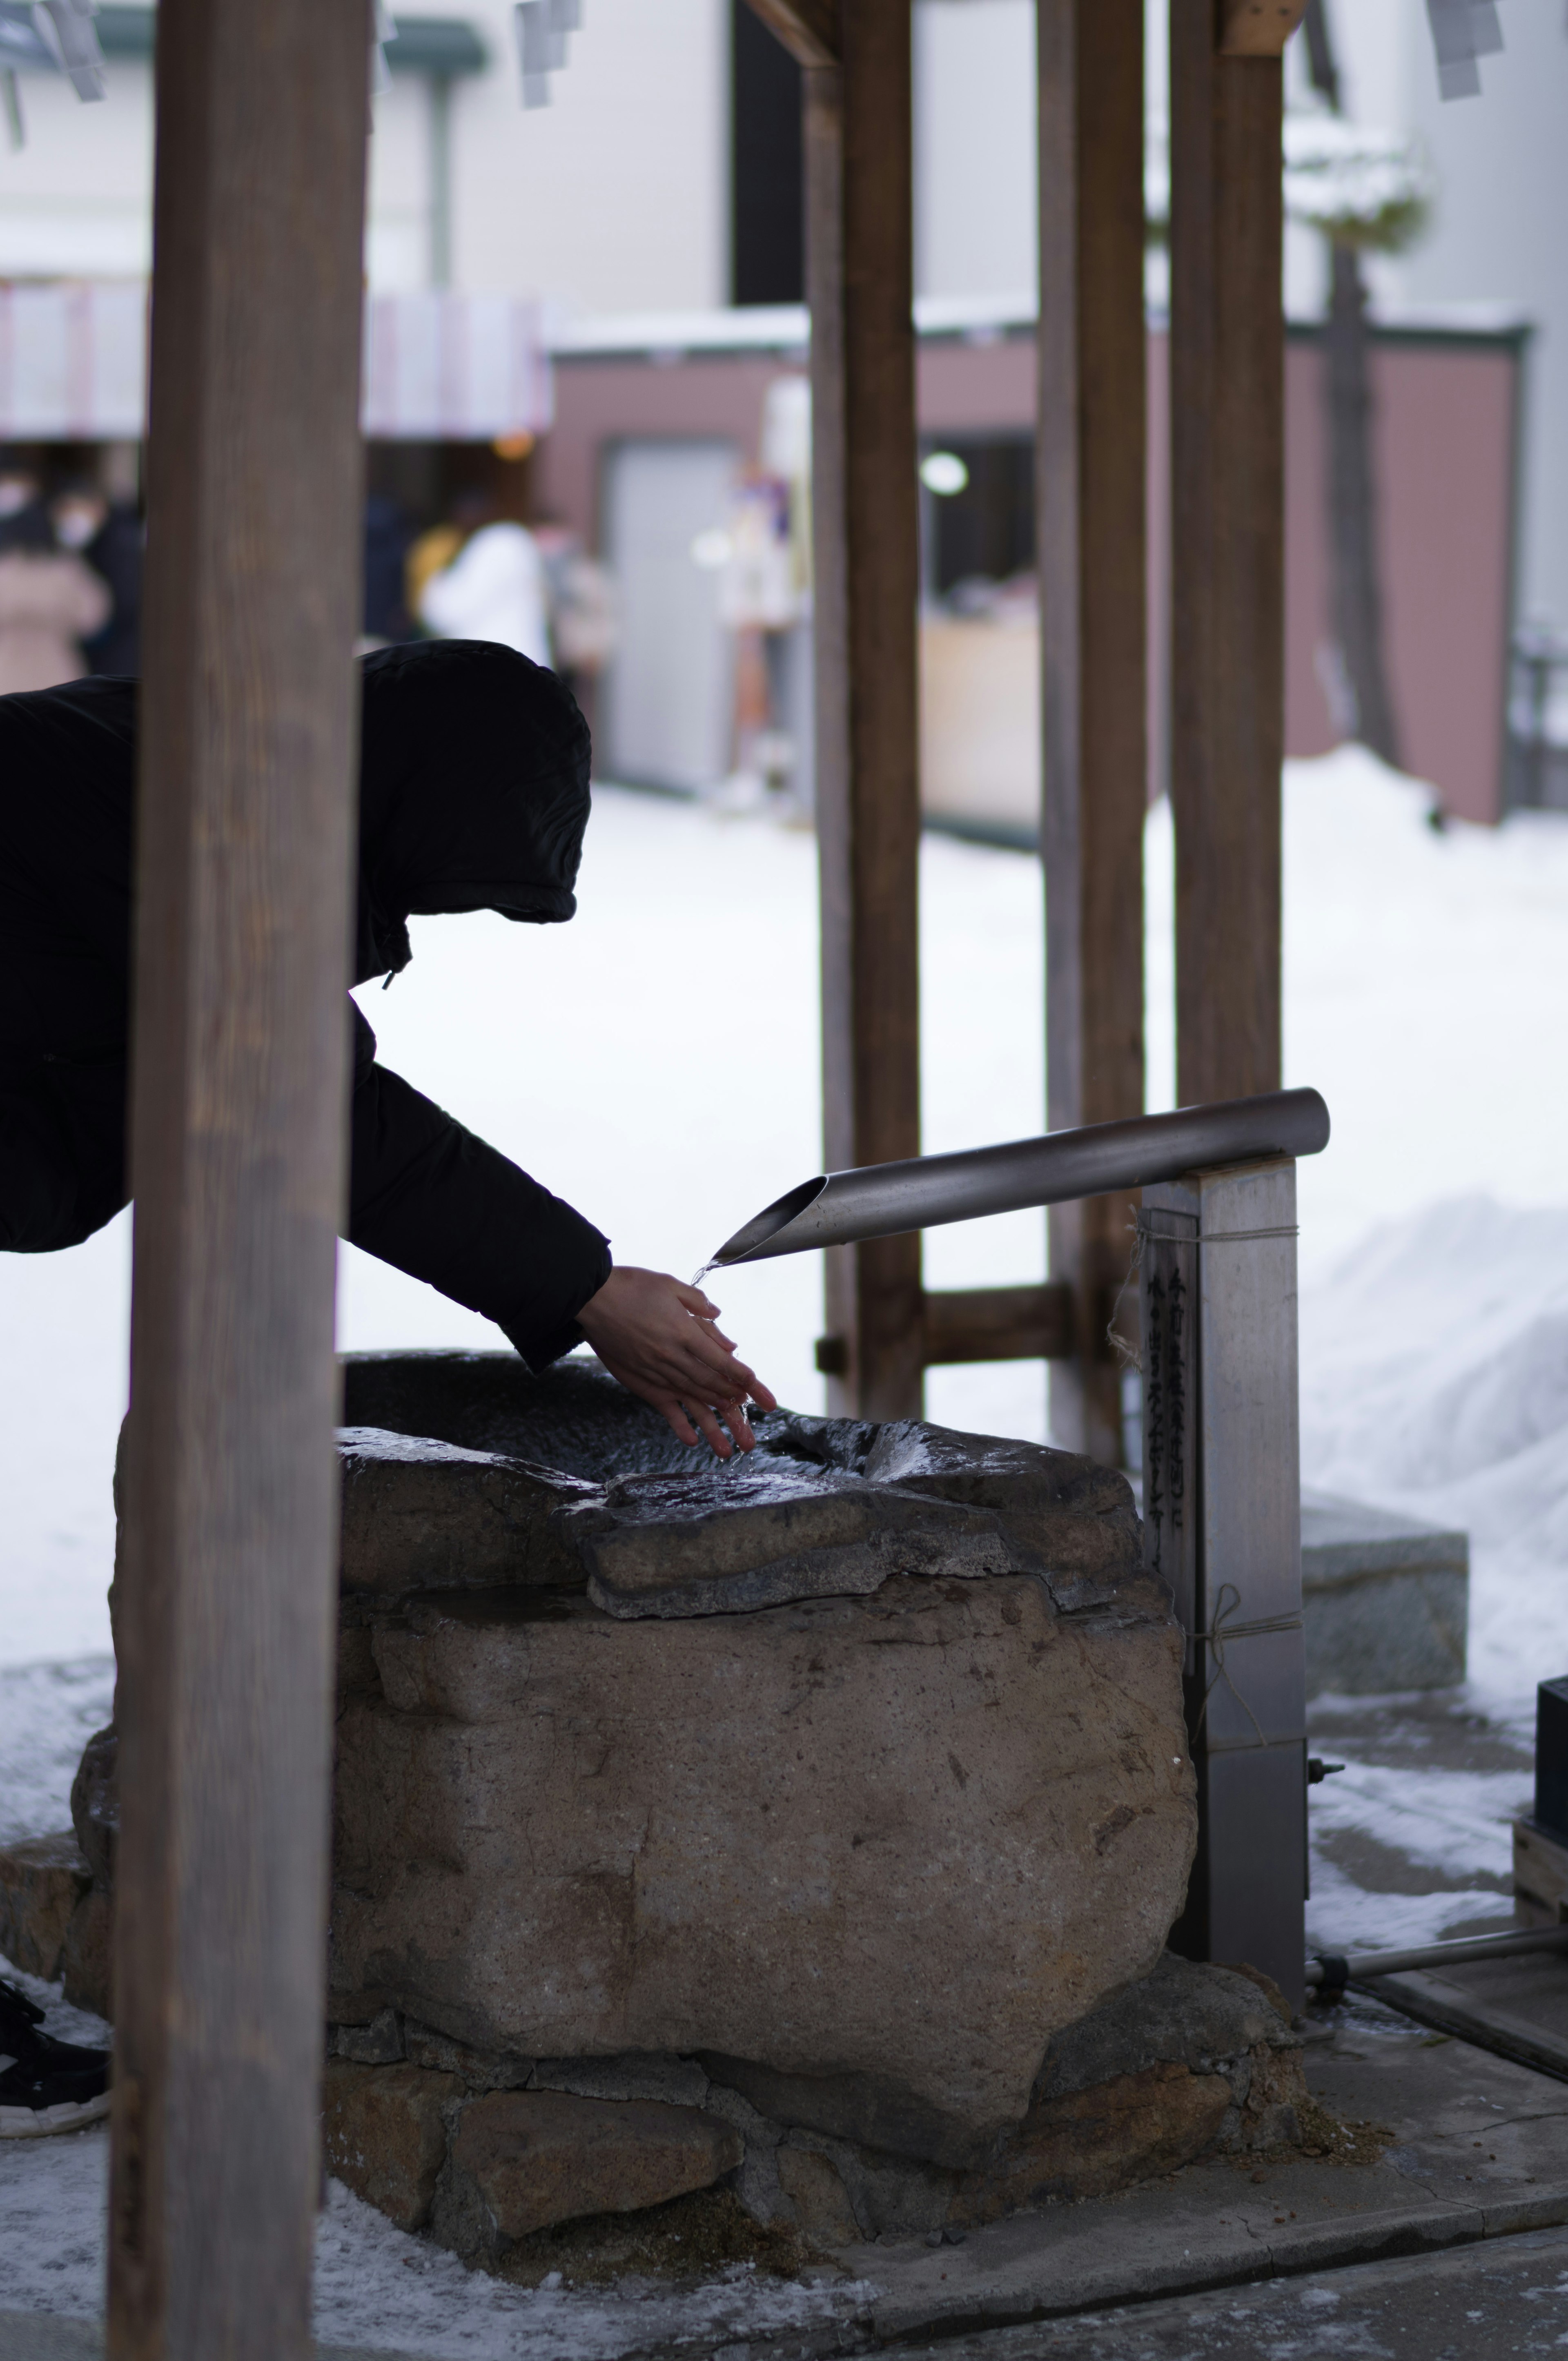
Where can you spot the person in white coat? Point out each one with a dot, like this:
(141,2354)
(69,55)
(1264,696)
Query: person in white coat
(493,589)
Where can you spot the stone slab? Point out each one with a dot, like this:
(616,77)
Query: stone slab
(384,2135)
(523,2160)
(1385,1599)
(908,1836)
(421,1513)
(42,1880)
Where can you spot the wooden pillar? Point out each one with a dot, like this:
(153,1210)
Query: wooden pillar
(860,281)
(238,1147)
(1090,533)
(1227,363)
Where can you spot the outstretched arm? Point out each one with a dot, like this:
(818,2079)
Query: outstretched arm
(430,1198)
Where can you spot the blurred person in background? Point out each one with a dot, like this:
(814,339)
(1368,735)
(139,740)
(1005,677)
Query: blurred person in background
(584,616)
(50,600)
(492,587)
(111,538)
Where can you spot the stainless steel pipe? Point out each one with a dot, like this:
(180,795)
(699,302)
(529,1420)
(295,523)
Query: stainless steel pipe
(1330,1971)
(882,1200)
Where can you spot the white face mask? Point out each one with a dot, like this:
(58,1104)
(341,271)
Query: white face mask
(15,491)
(76,522)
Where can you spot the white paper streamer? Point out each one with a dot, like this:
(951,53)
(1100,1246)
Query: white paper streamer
(1462,31)
(541,29)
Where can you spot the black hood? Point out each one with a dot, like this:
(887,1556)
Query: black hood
(472,792)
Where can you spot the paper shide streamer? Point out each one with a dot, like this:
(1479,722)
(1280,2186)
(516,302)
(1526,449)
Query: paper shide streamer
(1463,32)
(54,36)
(541,29)
(61,36)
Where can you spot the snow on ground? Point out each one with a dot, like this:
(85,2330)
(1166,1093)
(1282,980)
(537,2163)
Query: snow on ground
(47,1712)
(377,2288)
(656,1063)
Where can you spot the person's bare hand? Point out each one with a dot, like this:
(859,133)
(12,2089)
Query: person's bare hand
(660,1338)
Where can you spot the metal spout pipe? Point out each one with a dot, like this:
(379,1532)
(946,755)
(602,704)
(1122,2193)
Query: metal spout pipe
(883,1200)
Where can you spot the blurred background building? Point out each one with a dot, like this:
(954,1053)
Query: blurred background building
(636,399)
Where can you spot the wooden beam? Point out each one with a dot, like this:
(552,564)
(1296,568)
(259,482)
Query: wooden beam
(1227,365)
(998,1323)
(226,1609)
(859,275)
(1090,528)
(809,30)
(1258,28)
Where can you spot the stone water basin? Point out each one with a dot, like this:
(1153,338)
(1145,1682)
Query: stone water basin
(857,1765)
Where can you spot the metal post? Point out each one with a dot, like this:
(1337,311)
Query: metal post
(1223,1526)
(227,1614)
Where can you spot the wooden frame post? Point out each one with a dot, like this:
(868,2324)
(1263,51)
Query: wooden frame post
(1091,535)
(1222,1527)
(238,1147)
(1227,364)
(860,281)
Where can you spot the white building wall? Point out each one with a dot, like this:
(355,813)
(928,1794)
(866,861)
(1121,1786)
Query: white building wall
(975,227)
(76,201)
(613,198)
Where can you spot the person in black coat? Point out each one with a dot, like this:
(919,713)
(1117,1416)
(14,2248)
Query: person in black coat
(474,796)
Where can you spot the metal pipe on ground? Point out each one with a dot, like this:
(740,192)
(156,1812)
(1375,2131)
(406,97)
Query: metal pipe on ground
(1332,1970)
(882,1200)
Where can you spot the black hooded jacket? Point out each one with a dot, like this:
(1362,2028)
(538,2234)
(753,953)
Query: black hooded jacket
(474,796)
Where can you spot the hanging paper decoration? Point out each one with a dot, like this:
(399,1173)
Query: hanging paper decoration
(67,31)
(541,29)
(1462,31)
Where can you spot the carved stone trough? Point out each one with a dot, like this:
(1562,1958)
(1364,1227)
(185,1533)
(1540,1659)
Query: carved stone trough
(807,1828)
(823,1789)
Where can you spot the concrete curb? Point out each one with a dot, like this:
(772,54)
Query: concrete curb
(1231,2261)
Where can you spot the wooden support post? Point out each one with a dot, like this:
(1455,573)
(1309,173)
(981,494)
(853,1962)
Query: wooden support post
(1223,1526)
(1090,537)
(227,1611)
(859,266)
(1227,363)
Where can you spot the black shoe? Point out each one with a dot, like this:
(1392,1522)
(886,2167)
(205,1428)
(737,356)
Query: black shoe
(45,2085)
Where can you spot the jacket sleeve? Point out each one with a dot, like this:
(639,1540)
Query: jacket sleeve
(434,1200)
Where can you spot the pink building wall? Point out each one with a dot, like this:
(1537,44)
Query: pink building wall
(1446,429)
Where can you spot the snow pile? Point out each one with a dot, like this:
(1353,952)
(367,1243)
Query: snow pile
(1435,1367)
(47,1712)
(1434,1379)
(377,2287)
